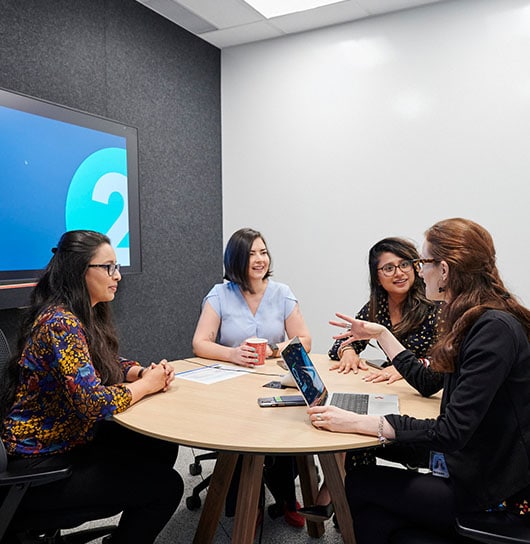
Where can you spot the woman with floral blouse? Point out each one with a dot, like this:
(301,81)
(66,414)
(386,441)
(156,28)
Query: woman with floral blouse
(63,385)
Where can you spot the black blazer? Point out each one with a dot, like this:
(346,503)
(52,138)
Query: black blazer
(484,425)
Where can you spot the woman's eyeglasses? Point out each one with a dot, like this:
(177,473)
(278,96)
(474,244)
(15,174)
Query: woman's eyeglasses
(419,263)
(111,268)
(389,270)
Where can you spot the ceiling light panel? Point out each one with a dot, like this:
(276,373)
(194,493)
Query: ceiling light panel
(276,8)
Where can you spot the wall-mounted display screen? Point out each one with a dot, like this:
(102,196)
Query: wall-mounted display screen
(63,169)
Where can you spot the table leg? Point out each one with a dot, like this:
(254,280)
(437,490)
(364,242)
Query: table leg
(248,499)
(333,467)
(215,498)
(307,471)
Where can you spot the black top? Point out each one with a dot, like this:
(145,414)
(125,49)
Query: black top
(484,425)
(419,342)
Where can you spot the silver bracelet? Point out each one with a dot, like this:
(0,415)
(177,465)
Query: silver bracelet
(380,436)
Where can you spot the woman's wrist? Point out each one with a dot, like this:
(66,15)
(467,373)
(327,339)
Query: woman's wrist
(342,349)
(389,343)
(275,350)
(380,430)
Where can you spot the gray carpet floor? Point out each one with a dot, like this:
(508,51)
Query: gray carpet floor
(181,527)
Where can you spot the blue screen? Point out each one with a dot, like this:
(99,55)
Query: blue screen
(59,175)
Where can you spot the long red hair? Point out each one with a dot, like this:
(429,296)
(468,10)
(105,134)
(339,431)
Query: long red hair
(473,282)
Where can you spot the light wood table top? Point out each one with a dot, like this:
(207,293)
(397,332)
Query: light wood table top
(225,416)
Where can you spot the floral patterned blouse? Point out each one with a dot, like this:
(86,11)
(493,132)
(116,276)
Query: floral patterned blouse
(60,396)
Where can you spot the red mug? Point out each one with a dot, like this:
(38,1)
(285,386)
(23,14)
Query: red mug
(260,345)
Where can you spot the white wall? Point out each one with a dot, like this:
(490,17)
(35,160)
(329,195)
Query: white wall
(336,138)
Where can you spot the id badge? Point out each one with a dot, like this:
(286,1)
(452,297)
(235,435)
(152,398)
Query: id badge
(438,465)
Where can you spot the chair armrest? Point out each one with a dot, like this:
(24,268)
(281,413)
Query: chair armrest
(493,528)
(33,476)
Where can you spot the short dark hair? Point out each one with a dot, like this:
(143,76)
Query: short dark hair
(237,256)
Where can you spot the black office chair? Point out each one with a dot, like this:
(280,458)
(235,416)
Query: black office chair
(492,528)
(486,527)
(420,536)
(37,527)
(5,351)
(193,502)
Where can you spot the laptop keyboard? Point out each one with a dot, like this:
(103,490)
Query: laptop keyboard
(353,402)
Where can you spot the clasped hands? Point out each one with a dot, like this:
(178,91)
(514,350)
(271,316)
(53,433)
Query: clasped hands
(161,374)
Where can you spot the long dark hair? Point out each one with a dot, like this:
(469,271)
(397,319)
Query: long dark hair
(416,306)
(237,256)
(63,284)
(473,282)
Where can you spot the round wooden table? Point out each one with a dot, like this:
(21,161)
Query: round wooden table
(225,416)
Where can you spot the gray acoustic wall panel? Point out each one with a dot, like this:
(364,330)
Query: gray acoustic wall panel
(118,59)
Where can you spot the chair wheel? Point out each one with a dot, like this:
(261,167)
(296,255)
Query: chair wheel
(193,502)
(195,469)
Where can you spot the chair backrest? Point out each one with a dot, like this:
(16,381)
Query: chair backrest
(3,457)
(5,352)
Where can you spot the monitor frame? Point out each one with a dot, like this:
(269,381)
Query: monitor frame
(15,284)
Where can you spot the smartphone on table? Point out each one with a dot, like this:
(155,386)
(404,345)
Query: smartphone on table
(281,400)
(376,363)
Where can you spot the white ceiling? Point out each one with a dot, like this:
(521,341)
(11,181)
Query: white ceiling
(232,22)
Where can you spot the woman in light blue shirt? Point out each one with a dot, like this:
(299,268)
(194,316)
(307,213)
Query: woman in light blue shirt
(237,320)
(252,305)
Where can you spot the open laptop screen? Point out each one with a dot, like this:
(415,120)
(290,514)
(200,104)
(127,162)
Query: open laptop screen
(304,373)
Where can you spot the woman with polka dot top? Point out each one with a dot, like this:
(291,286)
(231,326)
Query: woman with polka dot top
(398,302)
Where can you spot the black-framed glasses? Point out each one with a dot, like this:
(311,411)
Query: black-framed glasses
(111,268)
(389,270)
(419,263)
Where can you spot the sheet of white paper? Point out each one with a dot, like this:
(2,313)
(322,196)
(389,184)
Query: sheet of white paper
(211,374)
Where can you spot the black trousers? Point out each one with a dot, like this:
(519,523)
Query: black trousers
(384,500)
(120,471)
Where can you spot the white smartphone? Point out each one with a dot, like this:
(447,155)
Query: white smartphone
(377,363)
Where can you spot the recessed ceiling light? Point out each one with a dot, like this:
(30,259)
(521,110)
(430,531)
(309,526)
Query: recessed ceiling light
(275,8)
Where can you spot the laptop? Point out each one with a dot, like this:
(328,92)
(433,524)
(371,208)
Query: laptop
(315,393)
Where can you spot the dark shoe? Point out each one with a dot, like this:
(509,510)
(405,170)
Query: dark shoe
(275,510)
(317,512)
